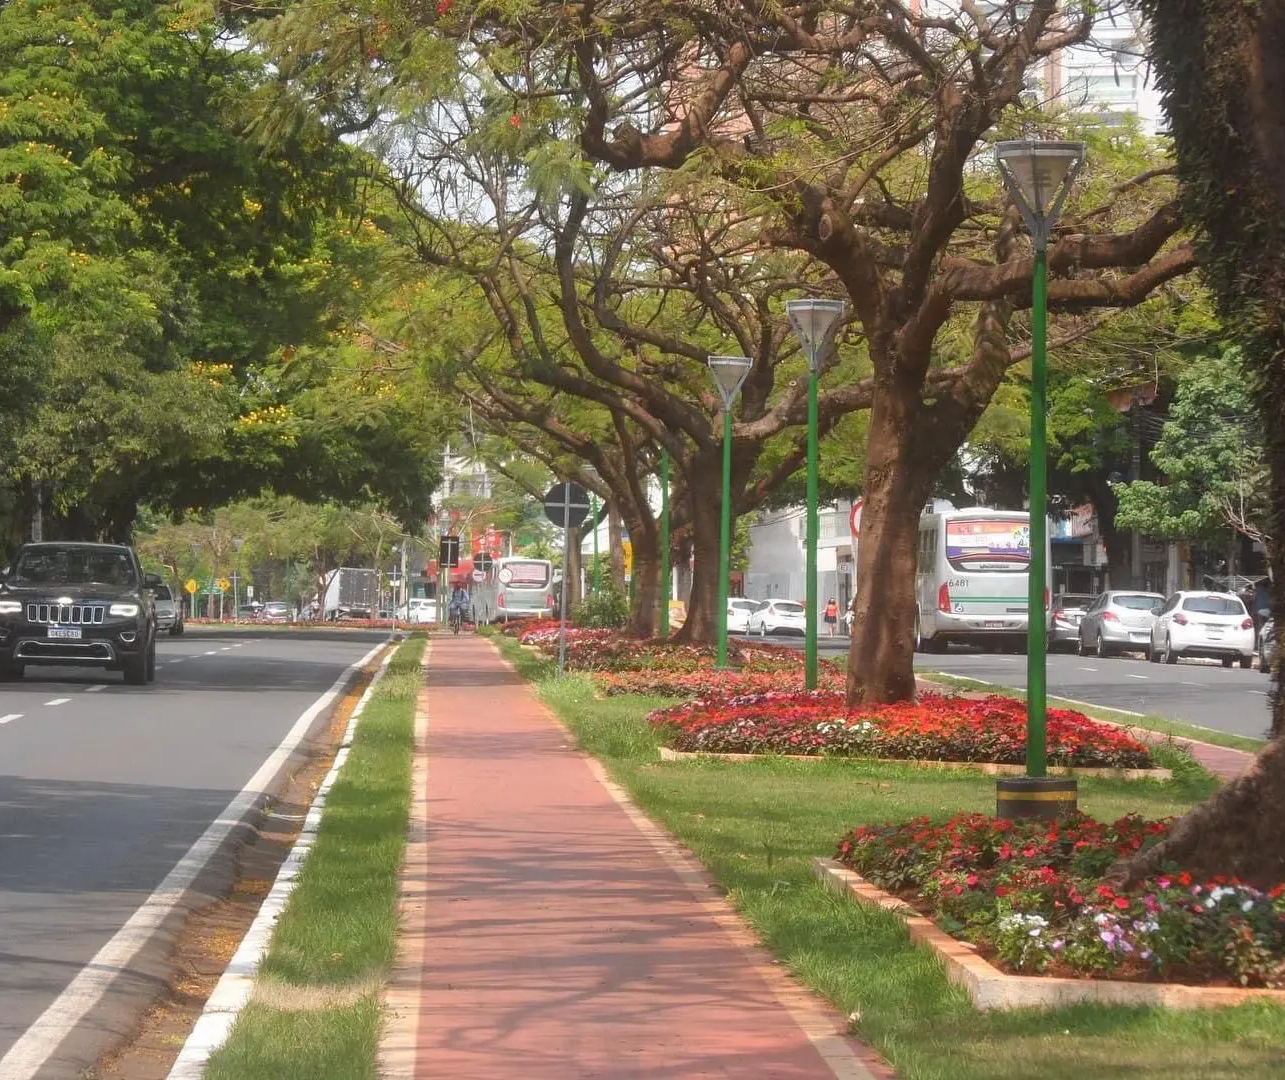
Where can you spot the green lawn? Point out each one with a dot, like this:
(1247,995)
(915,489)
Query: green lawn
(316,1009)
(756,826)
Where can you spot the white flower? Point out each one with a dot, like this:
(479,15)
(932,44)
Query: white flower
(1247,905)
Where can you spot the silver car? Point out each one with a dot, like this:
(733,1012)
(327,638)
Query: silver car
(1119,620)
(1068,610)
(169,611)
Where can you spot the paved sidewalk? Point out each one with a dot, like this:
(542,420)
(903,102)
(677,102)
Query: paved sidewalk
(560,940)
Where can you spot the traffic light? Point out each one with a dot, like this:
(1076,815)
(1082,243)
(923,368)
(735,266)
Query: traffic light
(449,551)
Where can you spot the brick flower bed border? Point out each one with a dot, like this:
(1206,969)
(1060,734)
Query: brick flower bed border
(990,768)
(991,988)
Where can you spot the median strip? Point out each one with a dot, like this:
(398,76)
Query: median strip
(314,1011)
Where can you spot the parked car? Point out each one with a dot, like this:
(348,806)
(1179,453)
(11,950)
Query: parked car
(420,609)
(1267,646)
(275,611)
(169,610)
(1068,609)
(1118,621)
(1203,624)
(777,616)
(738,615)
(249,612)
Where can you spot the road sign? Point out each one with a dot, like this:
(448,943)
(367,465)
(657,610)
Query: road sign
(224,584)
(479,575)
(566,505)
(483,562)
(190,586)
(506,575)
(249,592)
(449,551)
(628,549)
(854,518)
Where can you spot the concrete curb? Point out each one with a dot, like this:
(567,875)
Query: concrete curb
(235,987)
(991,988)
(987,767)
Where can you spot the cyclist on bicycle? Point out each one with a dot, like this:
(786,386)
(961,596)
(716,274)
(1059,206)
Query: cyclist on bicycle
(459,603)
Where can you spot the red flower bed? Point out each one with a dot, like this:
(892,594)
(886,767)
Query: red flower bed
(708,682)
(936,727)
(1030,895)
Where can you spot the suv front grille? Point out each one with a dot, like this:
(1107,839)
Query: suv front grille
(66,614)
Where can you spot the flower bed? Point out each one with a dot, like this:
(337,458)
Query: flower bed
(934,728)
(708,682)
(1030,897)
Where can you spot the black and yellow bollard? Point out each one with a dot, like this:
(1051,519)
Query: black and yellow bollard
(1041,797)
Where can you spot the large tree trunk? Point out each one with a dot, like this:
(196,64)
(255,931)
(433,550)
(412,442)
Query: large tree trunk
(705,495)
(617,553)
(645,607)
(897,485)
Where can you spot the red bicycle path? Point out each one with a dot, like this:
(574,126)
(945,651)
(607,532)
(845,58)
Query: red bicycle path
(560,936)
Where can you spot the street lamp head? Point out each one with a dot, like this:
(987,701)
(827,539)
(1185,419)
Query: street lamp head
(729,375)
(814,321)
(1038,175)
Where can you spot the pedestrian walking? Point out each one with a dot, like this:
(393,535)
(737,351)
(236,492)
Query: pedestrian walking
(831,616)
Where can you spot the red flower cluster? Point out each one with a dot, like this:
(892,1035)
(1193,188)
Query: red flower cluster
(1031,895)
(936,727)
(709,683)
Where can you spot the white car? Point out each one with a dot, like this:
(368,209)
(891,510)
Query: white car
(420,609)
(1203,624)
(738,615)
(777,616)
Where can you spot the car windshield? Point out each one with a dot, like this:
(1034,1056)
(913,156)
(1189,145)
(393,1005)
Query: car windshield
(275,607)
(1213,605)
(73,566)
(161,592)
(743,605)
(1139,602)
(788,607)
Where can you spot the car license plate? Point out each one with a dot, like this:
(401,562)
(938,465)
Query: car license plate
(65,633)
(994,624)
(1140,635)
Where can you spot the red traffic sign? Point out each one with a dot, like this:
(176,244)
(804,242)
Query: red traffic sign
(854,518)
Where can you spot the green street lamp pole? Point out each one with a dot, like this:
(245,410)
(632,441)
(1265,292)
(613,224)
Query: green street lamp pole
(814,322)
(664,542)
(729,374)
(1038,176)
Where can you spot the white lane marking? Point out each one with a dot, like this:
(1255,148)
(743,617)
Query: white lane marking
(27,1056)
(226,648)
(1261,693)
(10,716)
(1086,669)
(237,982)
(58,701)
(1199,685)
(178,659)
(94,689)
(1139,676)
(213,652)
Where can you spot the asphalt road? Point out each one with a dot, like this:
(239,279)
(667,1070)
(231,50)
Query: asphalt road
(104,787)
(1193,691)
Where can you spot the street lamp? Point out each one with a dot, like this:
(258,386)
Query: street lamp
(1038,176)
(814,323)
(238,543)
(729,375)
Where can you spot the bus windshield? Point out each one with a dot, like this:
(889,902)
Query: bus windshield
(525,575)
(989,545)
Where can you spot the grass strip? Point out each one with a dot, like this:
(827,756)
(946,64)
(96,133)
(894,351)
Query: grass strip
(316,1007)
(756,826)
(1159,724)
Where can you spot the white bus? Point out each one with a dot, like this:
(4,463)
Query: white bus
(971,578)
(515,588)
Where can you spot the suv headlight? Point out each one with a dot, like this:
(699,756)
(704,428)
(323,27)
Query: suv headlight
(10,607)
(127,611)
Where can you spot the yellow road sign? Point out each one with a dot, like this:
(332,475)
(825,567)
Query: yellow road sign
(628,549)
(190,585)
(224,584)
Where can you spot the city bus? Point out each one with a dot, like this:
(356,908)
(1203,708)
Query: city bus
(971,578)
(515,587)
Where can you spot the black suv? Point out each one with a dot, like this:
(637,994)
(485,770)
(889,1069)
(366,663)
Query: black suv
(78,604)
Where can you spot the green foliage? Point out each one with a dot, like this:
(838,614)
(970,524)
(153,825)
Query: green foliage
(1211,454)
(608,608)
